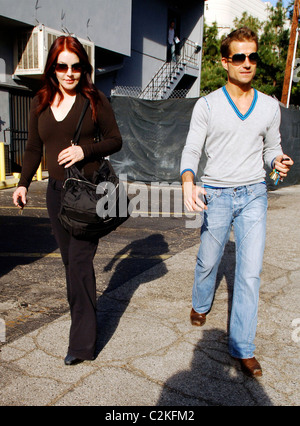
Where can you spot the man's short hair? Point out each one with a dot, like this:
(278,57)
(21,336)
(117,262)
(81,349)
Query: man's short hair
(241,34)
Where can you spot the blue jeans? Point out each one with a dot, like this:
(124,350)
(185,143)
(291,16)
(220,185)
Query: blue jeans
(244,208)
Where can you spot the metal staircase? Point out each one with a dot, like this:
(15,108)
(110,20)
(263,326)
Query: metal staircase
(171,73)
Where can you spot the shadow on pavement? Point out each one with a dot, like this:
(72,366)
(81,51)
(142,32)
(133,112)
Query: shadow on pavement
(20,236)
(227,270)
(114,301)
(213,379)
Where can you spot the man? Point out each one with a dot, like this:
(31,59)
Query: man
(170,42)
(239,129)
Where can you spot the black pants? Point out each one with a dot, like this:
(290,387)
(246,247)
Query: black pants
(77,256)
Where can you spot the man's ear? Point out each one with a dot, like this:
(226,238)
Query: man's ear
(225,63)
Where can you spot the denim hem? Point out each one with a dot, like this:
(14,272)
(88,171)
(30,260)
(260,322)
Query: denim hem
(237,354)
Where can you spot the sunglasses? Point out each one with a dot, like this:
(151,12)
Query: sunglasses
(239,58)
(76,68)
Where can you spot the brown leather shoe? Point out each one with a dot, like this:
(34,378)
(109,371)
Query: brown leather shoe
(197,319)
(250,366)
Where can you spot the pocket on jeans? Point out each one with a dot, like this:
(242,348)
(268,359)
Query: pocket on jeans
(259,189)
(212,194)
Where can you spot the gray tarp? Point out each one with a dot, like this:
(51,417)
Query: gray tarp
(154,134)
(290,136)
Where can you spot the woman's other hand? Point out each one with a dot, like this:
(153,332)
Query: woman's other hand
(70,156)
(20,197)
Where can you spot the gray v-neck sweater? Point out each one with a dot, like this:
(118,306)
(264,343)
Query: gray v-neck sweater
(236,145)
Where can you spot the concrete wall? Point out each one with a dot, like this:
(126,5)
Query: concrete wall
(134,31)
(192,28)
(149,36)
(103,15)
(4,115)
(6,56)
(148,43)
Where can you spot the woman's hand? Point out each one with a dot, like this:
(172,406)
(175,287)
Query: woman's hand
(70,156)
(20,197)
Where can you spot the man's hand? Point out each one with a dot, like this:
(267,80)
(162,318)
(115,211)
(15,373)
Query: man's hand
(70,156)
(192,193)
(283,163)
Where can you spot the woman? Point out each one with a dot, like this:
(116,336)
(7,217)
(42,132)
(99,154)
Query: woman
(54,114)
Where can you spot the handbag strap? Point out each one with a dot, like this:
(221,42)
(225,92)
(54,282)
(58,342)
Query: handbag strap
(76,137)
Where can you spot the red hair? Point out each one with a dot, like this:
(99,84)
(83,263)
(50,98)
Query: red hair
(51,86)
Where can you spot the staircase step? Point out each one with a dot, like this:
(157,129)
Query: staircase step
(168,77)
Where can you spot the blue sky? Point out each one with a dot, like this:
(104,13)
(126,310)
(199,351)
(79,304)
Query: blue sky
(285,2)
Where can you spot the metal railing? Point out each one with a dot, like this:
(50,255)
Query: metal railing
(170,71)
(134,92)
(131,91)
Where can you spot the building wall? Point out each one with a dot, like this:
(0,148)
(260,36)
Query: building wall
(148,43)
(192,27)
(7,84)
(134,31)
(150,20)
(106,22)
(6,58)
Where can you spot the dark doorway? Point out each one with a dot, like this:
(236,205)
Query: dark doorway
(20,103)
(174,19)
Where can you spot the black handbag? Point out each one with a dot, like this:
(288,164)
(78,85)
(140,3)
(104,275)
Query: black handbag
(92,209)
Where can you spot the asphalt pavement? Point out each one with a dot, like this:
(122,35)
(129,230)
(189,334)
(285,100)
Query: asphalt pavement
(148,353)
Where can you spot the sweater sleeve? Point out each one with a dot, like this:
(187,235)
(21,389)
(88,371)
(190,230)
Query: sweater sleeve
(196,137)
(34,148)
(272,140)
(111,140)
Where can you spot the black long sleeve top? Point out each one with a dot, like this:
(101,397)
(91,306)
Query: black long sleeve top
(44,129)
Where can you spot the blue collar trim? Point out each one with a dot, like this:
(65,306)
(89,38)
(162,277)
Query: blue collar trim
(240,115)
